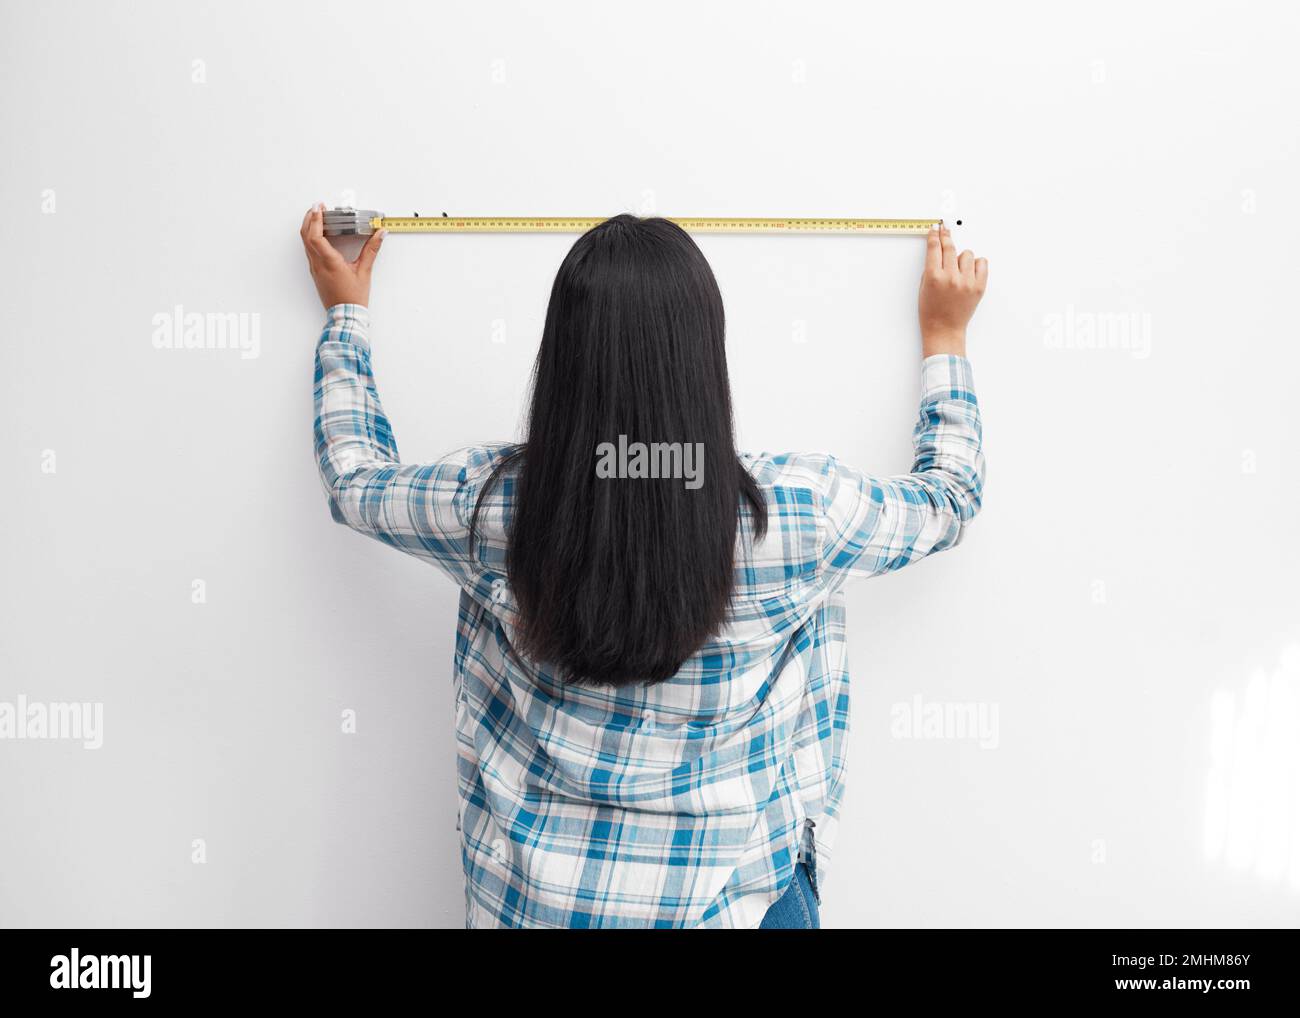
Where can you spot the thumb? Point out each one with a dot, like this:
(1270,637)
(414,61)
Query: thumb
(366,259)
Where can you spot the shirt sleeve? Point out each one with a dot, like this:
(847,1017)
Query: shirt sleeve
(875,525)
(421,509)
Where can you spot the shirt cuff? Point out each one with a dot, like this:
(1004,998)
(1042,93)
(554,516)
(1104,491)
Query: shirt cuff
(946,376)
(349,323)
(349,312)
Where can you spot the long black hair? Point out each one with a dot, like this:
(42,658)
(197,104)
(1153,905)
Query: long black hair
(622,573)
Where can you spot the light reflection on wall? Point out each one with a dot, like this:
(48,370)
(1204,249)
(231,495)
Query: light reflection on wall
(1252,820)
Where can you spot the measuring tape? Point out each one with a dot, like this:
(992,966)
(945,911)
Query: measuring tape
(345,222)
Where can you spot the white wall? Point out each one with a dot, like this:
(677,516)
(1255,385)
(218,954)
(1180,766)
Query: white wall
(1130,580)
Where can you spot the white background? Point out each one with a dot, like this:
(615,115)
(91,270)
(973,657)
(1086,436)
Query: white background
(1125,602)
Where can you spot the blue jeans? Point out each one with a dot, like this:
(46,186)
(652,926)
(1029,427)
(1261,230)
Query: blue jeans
(796,909)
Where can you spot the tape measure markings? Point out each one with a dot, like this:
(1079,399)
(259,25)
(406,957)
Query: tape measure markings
(349,221)
(570,224)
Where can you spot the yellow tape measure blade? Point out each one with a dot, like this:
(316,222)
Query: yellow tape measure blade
(692,224)
(341,222)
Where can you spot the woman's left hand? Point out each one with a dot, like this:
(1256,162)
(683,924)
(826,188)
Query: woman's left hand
(338,281)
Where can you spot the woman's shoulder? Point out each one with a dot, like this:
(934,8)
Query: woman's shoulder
(786,558)
(813,471)
(479,461)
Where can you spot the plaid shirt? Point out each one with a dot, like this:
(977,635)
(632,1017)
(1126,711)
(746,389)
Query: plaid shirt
(687,803)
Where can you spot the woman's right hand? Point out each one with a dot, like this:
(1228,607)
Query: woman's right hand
(338,281)
(951,288)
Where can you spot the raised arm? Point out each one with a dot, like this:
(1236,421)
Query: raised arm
(422,509)
(878,524)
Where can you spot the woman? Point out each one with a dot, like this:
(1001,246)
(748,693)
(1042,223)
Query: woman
(651,679)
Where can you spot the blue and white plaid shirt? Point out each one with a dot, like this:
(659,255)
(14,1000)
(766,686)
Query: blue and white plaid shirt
(687,803)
